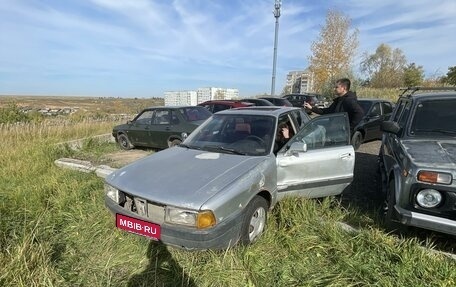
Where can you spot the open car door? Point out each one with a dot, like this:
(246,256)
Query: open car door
(319,160)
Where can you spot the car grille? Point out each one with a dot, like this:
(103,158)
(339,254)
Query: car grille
(148,210)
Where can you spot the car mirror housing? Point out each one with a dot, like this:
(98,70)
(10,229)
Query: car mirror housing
(184,136)
(390,127)
(296,147)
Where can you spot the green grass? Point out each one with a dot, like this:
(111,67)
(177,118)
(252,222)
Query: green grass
(55,231)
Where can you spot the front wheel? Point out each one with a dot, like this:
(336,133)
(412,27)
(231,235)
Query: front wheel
(254,220)
(124,142)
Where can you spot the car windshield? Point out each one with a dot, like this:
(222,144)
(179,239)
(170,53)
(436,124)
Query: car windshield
(435,117)
(235,134)
(192,114)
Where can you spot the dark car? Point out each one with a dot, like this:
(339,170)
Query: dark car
(160,127)
(281,102)
(258,102)
(298,100)
(375,112)
(418,161)
(220,105)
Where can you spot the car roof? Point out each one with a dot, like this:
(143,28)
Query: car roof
(372,100)
(171,107)
(223,102)
(423,92)
(260,110)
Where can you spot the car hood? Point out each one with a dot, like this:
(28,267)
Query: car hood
(438,153)
(182,177)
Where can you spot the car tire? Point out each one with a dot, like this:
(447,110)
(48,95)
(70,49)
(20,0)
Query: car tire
(254,221)
(124,142)
(174,142)
(357,140)
(391,222)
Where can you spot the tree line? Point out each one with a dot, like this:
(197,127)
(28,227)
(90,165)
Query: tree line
(333,52)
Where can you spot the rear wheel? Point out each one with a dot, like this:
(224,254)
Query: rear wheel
(124,142)
(357,140)
(254,220)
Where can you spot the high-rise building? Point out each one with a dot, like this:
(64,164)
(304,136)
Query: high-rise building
(299,82)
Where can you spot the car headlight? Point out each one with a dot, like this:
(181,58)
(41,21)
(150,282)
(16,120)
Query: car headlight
(114,194)
(434,177)
(198,219)
(428,198)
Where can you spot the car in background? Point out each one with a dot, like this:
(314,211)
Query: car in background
(160,127)
(216,188)
(258,102)
(220,105)
(276,101)
(417,160)
(298,100)
(369,128)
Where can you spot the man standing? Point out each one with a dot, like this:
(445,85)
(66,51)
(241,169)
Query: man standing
(345,101)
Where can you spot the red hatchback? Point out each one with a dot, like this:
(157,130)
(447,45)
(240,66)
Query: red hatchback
(220,105)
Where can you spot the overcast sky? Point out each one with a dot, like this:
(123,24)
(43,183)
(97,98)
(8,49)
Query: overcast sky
(142,48)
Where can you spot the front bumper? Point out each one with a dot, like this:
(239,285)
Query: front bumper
(426,221)
(223,235)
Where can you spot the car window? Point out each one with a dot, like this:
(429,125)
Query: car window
(435,117)
(192,114)
(220,107)
(387,108)
(398,111)
(237,134)
(365,105)
(174,118)
(325,131)
(145,117)
(375,111)
(161,117)
(301,118)
(404,115)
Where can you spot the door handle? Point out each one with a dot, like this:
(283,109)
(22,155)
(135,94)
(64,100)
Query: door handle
(345,155)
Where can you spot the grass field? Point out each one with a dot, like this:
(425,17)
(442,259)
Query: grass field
(55,231)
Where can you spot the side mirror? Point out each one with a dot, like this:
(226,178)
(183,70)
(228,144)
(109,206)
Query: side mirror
(390,127)
(296,147)
(184,136)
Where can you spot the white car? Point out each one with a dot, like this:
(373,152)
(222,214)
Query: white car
(216,188)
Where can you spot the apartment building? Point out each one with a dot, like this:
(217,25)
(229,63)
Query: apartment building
(181,98)
(299,82)
(199,96)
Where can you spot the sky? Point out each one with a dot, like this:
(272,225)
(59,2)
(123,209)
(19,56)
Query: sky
(142,48)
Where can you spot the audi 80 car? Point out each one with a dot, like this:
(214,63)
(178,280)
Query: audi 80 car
(216,188)
(160,127)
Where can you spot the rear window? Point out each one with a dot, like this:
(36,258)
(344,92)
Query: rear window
(192,114)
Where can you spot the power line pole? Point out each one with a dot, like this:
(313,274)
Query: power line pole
(277,5)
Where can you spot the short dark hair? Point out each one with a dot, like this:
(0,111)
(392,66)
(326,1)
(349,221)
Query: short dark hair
(344,82)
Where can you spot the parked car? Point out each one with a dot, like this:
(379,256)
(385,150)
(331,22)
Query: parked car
(280,102)
(375,112)
(160,127)
(215,189)
(315,100)
(418,161)
(258,102)
(220,105)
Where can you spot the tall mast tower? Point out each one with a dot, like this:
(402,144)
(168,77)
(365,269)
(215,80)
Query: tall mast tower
(277,5)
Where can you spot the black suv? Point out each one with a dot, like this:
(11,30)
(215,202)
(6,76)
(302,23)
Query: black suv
(298,100)
(418,160)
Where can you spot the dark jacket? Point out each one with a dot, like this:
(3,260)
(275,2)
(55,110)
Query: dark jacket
(347,103)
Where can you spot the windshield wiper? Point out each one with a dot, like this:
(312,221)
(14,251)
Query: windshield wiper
(222,148)
(189,146)
(441,131)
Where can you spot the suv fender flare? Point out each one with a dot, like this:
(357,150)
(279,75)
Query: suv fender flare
(396,175)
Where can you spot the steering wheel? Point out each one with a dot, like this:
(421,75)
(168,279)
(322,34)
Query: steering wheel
(255,138)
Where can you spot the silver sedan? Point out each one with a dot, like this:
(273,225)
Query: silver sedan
(216,188)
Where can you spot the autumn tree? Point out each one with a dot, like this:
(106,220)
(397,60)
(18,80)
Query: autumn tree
(413,75)
(334,50)
(385,68)
(450,77)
